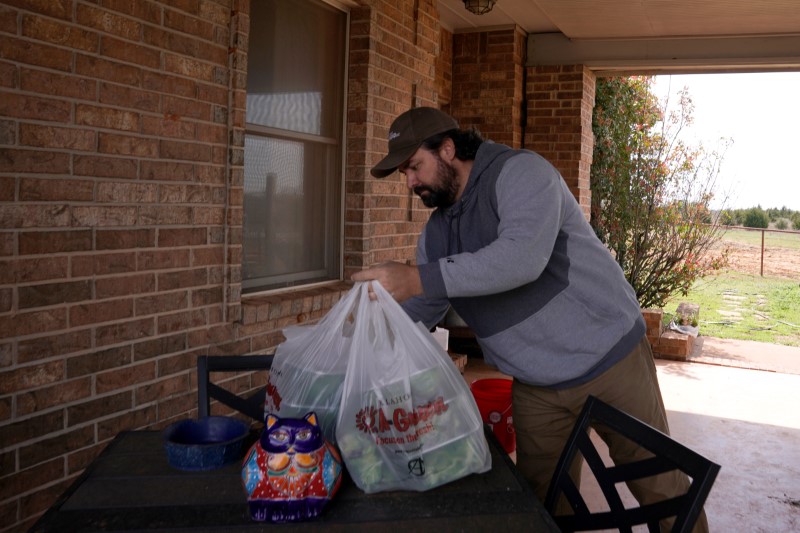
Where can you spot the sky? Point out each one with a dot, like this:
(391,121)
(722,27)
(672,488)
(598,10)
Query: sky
(761,113)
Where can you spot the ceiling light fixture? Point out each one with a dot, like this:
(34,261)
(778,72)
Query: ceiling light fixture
(479,7)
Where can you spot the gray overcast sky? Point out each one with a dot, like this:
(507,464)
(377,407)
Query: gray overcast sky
(761,113)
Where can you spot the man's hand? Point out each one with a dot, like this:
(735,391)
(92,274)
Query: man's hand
(399,280)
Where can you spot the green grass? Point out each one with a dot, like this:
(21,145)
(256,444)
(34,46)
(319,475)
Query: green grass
(772,239)
(768,308)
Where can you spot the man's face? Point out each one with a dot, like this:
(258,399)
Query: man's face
(431,178)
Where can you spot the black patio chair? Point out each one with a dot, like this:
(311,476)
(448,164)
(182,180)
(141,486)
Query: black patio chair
(668,455)
(251,405)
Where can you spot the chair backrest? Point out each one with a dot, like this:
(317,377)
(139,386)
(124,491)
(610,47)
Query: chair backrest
(668,455)
(252,405)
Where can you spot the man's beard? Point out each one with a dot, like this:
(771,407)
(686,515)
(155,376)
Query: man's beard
(443,194)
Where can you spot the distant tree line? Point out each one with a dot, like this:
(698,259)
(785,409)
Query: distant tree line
(757,217)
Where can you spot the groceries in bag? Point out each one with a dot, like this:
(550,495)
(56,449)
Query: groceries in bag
(408,420)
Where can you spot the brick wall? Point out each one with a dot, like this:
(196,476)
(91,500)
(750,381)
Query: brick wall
(488,83)
(392,68)
(121,185)
(559,124)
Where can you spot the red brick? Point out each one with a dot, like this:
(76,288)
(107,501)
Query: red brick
(177,406)
(61,9)
(57,84)
(168,126)
(51,242)
(103,216)
(98,408)
(52,137)
(53,345)
(128,145)
(33,161)
(120,239)
(167,171)
(31,189)
(168,238)
(208,256)
(55,446)
(109,22)
(190,68)
(34,53)
(103,264)
(162,302)
(164,215)
(78,460)
(31,428)
(183,279)
(58,33)
(31,377)
(53,396)
(98,361)
(159,346)
(215,216)
(124,377)
(187,24)
(135,419)
(32,216)
(145,11)
(107,117)
(41,474)
(6,300)
(106,167)
(99,312)
(54,293)
(181,321)
(129,97)
(34,503)
(164,388)
(129,52)
(210,296)
(29,270)
(7,185)
(196,152)
(163,259)
(169,84)
(103,69)
(125,331)
(21,324)
(124,285)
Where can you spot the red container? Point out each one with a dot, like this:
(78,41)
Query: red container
(493,397)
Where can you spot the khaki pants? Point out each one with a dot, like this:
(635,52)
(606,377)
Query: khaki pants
(544,418)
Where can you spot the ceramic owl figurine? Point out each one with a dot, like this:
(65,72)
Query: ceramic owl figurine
(292,472)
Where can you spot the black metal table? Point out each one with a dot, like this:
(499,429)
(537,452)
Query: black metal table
(131,487)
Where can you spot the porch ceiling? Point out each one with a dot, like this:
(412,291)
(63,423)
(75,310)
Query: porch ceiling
(676,35)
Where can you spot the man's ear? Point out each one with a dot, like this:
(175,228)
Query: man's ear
(447,150)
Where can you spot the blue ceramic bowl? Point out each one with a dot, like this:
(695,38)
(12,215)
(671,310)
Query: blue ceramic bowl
(205,443)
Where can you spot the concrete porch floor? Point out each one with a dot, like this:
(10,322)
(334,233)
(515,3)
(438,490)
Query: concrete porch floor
(737,403)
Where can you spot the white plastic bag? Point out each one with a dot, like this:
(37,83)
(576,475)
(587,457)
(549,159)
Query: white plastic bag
(407,420)
(309,366)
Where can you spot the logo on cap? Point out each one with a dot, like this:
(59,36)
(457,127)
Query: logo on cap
(393,135)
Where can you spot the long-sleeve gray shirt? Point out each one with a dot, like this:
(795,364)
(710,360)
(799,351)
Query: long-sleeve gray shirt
(520,264)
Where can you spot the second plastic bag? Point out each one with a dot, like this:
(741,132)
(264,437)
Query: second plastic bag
(407,420)
(309,366)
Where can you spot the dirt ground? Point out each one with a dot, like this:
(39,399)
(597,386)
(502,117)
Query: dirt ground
(780,262)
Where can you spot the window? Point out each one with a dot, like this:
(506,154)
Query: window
(293,144)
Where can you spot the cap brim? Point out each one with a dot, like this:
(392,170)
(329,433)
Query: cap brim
(389,164)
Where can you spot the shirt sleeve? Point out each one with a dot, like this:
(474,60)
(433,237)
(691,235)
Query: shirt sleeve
(530,206)
(429,311)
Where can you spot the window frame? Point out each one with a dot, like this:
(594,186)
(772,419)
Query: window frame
(249,289)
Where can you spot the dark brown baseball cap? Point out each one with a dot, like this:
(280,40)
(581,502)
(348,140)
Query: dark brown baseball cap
(408,132)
